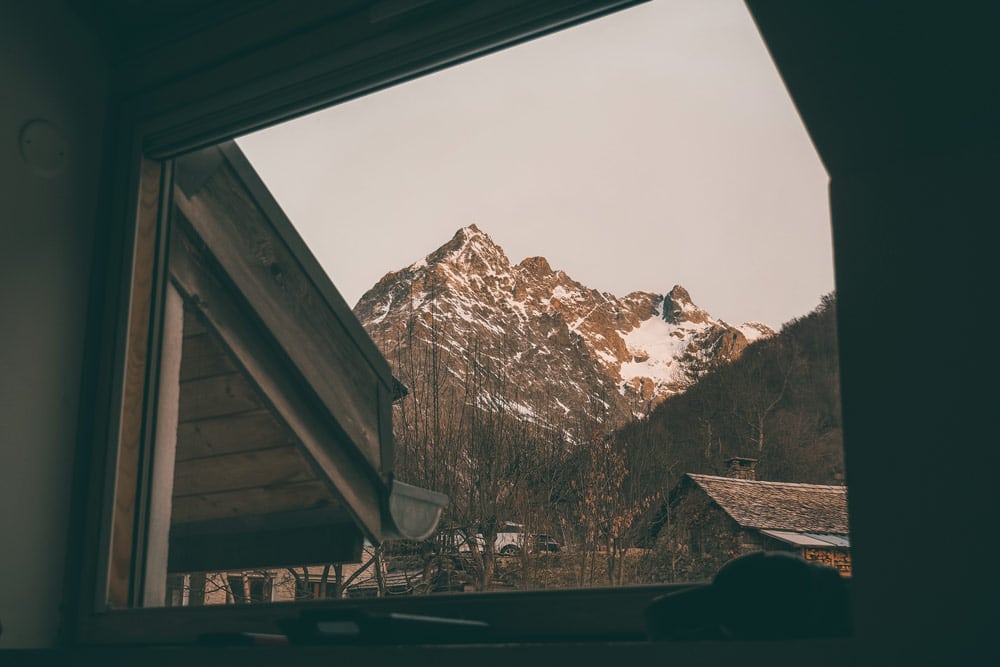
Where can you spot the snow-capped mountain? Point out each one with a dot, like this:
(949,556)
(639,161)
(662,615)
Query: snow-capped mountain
(540,344)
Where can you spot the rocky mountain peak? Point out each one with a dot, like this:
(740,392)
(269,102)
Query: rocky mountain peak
(678,307)
(680,295)
(564,349)
(471,249)
(535,266)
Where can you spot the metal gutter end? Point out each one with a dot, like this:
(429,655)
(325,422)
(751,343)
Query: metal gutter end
(414,512)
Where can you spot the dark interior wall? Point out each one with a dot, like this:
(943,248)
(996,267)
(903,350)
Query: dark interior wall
(46,236)
(902,103)
(923,457)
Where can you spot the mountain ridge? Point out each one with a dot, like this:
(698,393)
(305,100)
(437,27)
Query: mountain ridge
(564,347)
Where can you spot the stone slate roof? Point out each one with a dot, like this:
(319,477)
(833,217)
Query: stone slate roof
(812,508)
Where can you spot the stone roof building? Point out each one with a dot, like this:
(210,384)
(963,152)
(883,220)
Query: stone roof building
(710,520)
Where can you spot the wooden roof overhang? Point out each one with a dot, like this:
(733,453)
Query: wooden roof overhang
(284,447)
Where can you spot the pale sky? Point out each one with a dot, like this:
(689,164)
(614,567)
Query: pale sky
(653,147)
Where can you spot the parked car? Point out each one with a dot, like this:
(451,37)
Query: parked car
(545,543)
(512,543)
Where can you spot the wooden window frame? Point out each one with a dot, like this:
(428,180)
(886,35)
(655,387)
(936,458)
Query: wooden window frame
(109,582)
(896,126)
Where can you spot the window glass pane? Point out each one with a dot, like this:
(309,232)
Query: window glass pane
(599,263)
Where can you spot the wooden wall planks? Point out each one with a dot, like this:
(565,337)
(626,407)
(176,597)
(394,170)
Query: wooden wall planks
(246,431)
(193,326)
(255,501)
(203,358)
(233,454)
(289,396)
(259,468)
(216,396)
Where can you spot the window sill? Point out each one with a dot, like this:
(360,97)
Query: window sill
(583,615)
(816,652)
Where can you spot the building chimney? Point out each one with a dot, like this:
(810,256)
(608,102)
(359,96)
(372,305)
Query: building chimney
(741,468)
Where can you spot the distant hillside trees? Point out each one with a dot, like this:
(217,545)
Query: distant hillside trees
(468,430)
(462,431)
(779,403)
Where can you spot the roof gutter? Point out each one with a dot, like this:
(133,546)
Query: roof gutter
(411,512)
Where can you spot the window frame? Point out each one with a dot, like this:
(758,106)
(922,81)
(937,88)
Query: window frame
(105,585)
(908,137)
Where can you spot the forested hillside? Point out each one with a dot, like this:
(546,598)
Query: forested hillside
(599,491)
(779,403)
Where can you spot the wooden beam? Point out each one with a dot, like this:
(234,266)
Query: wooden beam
(252,501)
(226,217)
(274,78)
(126,480)
(347,473)
(311,517)
(278,547)
(154,591)
(313,270)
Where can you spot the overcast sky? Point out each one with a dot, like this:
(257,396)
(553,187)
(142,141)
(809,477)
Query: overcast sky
(653,147)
